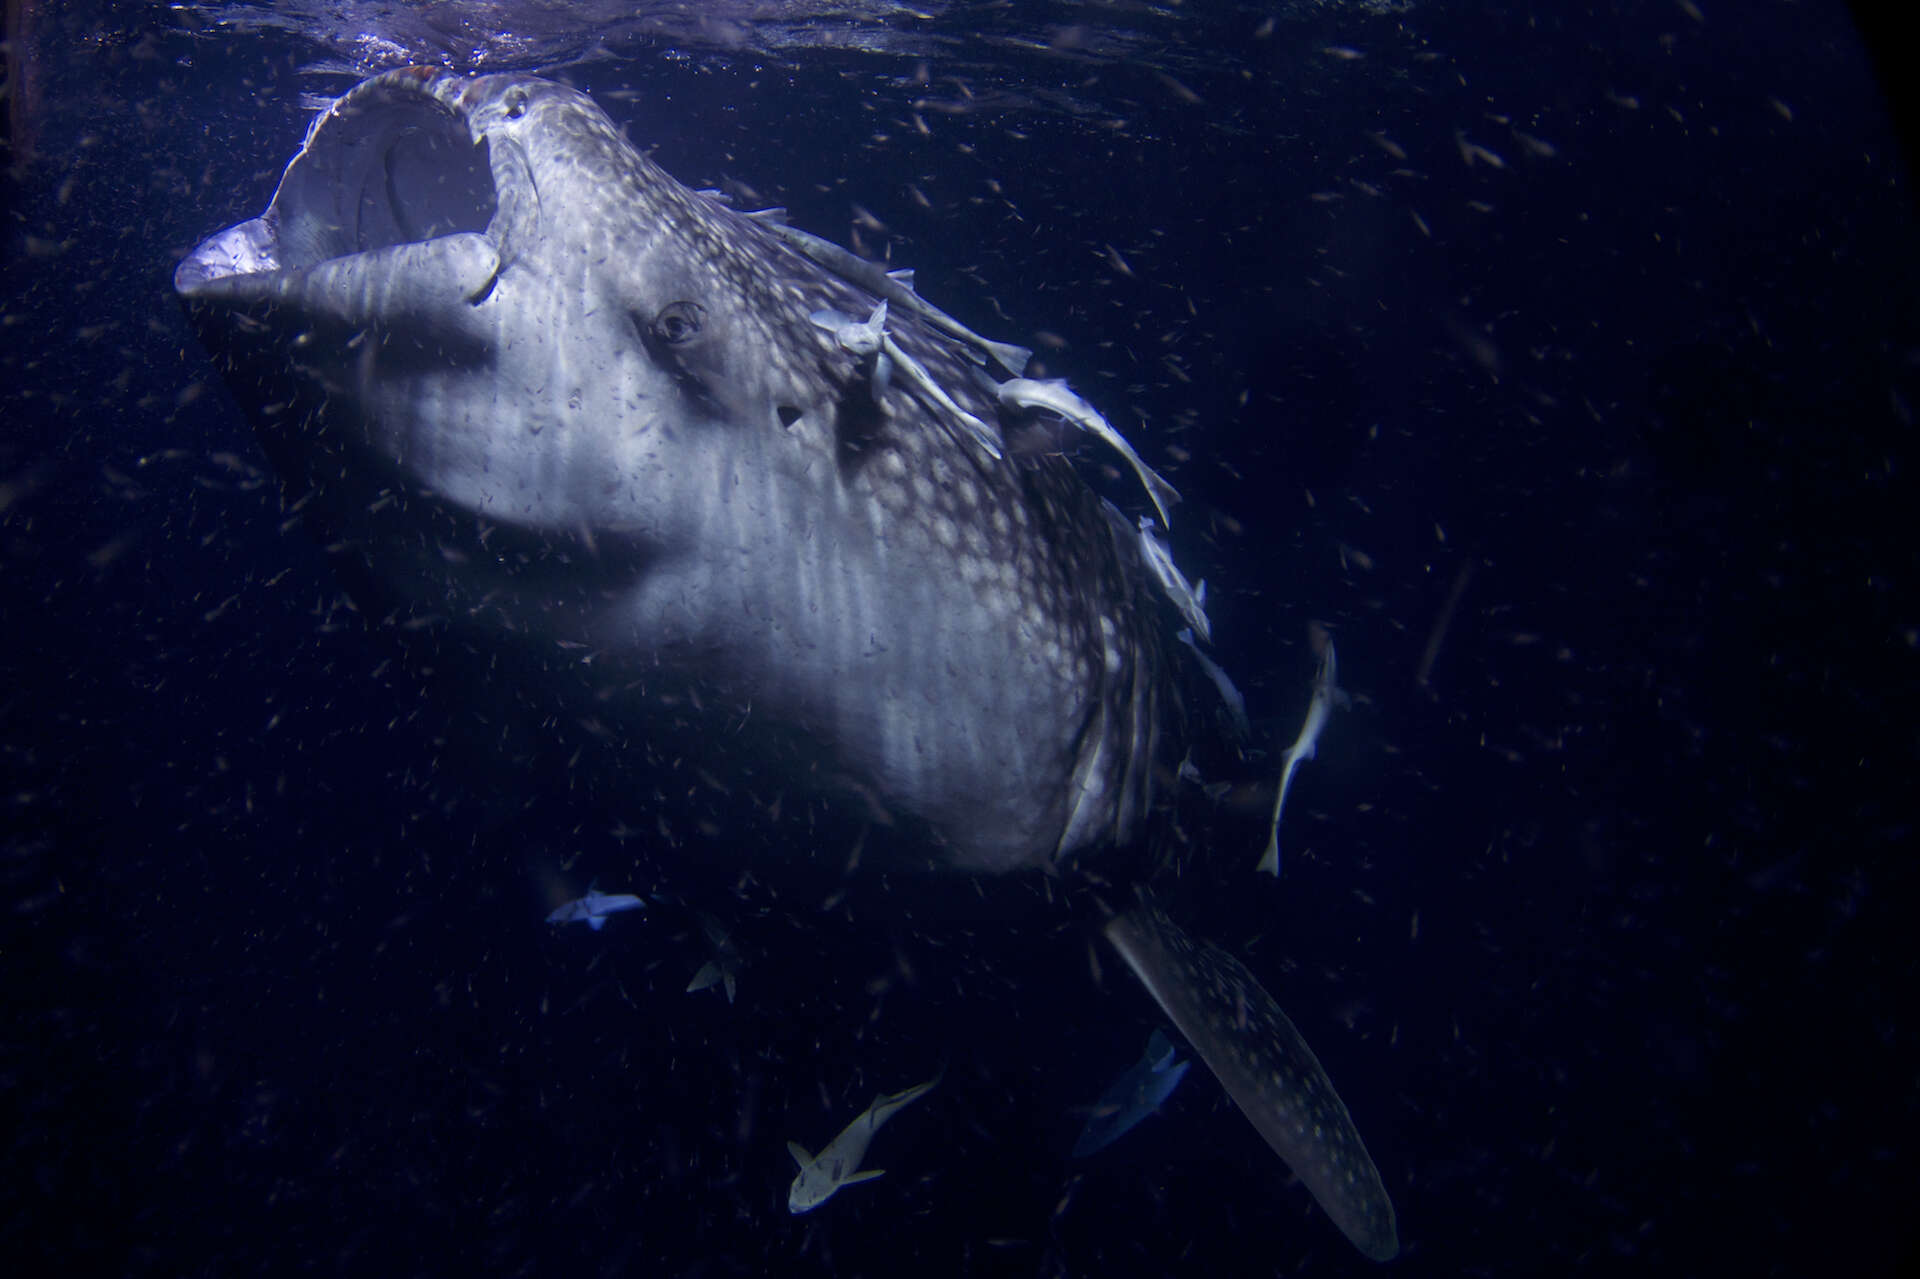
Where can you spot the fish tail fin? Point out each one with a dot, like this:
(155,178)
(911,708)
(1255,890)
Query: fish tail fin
(1011,357)
(1164,495)
(886,1104)
(1270,860)
(1266,1067)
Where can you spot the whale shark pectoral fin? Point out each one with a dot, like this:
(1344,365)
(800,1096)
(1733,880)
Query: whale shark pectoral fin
(799,1153)
(1266,1067)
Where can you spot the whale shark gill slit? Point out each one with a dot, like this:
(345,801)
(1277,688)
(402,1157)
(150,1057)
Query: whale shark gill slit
(1265,1066)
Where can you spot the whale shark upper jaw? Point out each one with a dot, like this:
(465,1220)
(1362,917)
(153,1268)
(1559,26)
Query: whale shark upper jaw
(387,165)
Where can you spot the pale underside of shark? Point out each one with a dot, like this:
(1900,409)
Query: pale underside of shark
(552,398)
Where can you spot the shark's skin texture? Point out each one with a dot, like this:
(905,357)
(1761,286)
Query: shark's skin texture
(1138,1092)
(821,1176)
(547,397)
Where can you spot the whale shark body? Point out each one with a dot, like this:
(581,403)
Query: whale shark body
(547,396)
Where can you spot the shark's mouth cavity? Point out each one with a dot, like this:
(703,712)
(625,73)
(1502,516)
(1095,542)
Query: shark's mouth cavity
(429,184)
(387,166)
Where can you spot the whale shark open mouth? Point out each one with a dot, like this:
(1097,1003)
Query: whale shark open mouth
(385,166)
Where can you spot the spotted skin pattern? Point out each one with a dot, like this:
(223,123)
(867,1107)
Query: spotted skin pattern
(1266,1067)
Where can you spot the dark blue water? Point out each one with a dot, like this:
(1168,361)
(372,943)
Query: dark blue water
(1603,929)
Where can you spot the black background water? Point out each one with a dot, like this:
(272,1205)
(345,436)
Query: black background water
(1602,932)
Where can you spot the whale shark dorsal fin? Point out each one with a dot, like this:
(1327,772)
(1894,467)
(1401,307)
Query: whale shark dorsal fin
(1266,1067)
(902,276)
(799,1153)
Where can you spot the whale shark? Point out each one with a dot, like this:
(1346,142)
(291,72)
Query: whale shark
(539,395)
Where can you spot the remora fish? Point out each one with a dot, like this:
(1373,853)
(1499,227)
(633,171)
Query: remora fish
(822,1175)
(1327,694)
(894,286)
(1235,703)
(1054,396)
(593,909)
(723,969)
(552,398)
(1137,1093)
(1189,599)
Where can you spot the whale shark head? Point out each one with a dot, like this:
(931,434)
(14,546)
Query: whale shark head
(474,317)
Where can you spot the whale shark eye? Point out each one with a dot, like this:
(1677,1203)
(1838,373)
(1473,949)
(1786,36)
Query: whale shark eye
(516,104)
(679,322)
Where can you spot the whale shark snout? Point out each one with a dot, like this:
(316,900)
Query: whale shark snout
(545,396)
